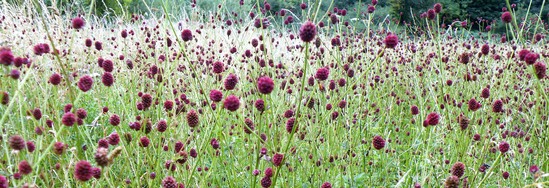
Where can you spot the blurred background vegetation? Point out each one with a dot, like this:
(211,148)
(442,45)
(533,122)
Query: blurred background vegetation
(478,12)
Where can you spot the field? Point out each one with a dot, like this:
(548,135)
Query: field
(242,100)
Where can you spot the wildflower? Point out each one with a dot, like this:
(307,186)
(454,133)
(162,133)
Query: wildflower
(83,171)
(307,32)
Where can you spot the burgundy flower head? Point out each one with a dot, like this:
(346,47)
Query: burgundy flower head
(458,169)
(230,82)
(231,103)
(24,167)
(216,95)
(322,73)
(541,69)
(277,159)
(78,23)
(378,142)
(437,7)
(192,118)
(68,119)
(3,182)
(83,171)
(506,17)
(55,79)
(41,48)
(503,147)
(433,118)
(531,58)
(107,79)
(452,182)
(473,105)
(6,57)
(85,83)
(186,35)
(497,106)
(259,104)
(16,142)
(265,85)
(169,182)
(307,32)
(522,54)
(218,67)
(326,185)
(391,41)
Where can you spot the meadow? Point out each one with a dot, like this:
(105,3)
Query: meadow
(226,99)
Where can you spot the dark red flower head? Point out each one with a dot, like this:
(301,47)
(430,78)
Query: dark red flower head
(307,32)
(414,109)
(259,105)
(3,182)
(431,14)
(378,142)
(231,103)
(433,118)
(85,83)
(540,68)
(326,185)
(216,95)
(55,79)
(192,118)
(144,141)
(230,82)
(16,142)
(473,105)
(6,56)
(391,41)
(107,79)
(68,119)
(78,23)
(458,169)
(265,85)
(218,67)
(503,147)
(485,49)
(114,120)
(497,106)
(277,159)
(83,171)
(41,48)
(522,54)
(437,7)
(531,58)
(107,65)
(452,182)
(59,148)
(322,73)
(506,17)
(266,182)
(24,167)
(186,35)
(169,182)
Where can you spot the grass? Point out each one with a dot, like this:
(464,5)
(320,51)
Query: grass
(378,86)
